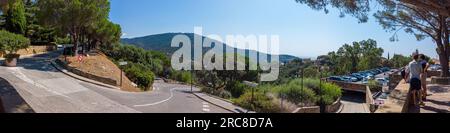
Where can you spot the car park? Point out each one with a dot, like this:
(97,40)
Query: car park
(335,78)
(349,78)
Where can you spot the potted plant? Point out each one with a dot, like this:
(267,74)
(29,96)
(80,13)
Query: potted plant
(10,43)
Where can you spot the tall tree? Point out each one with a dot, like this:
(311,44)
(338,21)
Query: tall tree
(15,19)
(359,56)
(72,16)
(371,55)
(422,18)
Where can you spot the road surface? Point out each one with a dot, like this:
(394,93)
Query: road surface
(47,90)
(353,102)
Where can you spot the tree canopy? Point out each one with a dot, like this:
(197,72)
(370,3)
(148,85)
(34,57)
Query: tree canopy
(86,21)
(15,20)
(359,56)
(422,18)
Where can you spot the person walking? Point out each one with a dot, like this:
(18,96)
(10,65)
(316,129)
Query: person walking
(424,75)
(413,73)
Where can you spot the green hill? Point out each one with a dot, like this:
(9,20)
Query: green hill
(161,42)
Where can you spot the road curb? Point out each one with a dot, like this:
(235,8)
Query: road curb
(231,110)
(66,72)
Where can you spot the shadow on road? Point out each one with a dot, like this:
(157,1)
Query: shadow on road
(10,100)
(355,97)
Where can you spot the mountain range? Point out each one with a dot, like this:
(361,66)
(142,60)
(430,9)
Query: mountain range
(161,42)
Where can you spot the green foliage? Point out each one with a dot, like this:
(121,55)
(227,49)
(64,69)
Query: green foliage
(374,85)
(10,43)
(60,40)
(399,61)
(140,75)
(37,33)
(261,102)
(15,17)
(152,60)
(360,56)
(161,42)
(217,92)
(77,18)
(311,93)
(298,95)
(421,19)
(182,76)
(105,32)
(236,88)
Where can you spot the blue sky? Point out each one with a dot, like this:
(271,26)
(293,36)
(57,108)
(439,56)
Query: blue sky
(303,32)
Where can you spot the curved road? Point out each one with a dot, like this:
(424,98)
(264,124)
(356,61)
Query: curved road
(47,90)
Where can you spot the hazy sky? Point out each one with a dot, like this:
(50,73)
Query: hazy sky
(303,32)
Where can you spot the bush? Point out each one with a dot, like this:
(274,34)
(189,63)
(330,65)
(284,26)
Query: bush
(217,92)
(298,95)
(236,88)
(143,77)
(262,102)
(155,61)
(10,43)
(182,76)
(330,93)
(324,95)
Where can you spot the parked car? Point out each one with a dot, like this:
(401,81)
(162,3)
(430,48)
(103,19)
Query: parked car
(350,78)
(336,78)
(382,81)
(435,67)
(357,76)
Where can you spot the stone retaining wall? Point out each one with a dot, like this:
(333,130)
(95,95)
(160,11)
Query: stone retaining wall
(433,73)
(440,80)
(35,50)
(312,109)
(88,75)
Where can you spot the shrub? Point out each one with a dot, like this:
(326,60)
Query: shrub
(10,43)
(262,103)
(143,77)
(182,76)
(325,94)
(298,95)
(217,92)
(236,88)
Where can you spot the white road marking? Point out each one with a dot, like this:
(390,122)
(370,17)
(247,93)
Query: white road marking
(18,73)
(156,103)
(205,107)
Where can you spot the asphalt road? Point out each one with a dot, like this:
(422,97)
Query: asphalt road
(47,90)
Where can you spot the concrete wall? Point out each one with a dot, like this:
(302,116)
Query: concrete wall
(333,108)
(350,86)
(88,75)
(433,73)
(369,100)
(440,80)
(394,80)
